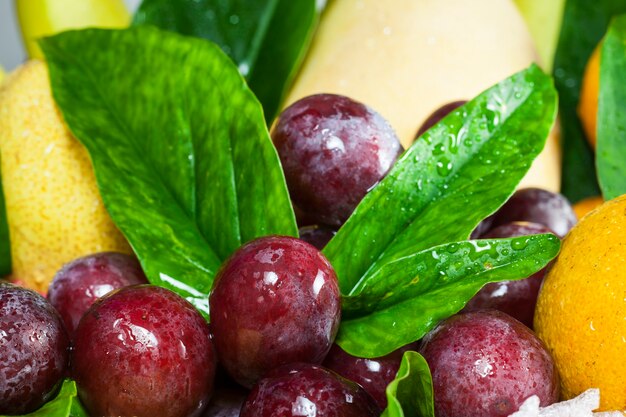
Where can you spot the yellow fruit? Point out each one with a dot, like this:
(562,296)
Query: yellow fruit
(544,22)
(581,310)
(2,75)
(585,206)
(406,58)
(40,18)
(54,210)
(588,102)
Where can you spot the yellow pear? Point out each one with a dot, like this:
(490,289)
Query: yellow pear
(544,22)
(54,210)
(40,18)
(406,58)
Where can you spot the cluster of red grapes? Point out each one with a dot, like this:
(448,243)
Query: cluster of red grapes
(139,350)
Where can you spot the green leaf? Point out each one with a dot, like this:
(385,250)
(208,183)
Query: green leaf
(5,242)
(584,24)
(267,39)
(611,146)
(401,301)
(410,394)
(182,156)
(455,175)
(66,404)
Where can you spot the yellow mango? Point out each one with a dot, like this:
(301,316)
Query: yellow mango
(54,210)
(406,58)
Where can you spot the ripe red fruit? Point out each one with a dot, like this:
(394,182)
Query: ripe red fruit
(143,351)
(276,301)
(33,350)
(486,364)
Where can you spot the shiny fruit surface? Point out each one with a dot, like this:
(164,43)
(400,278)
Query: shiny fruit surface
(333,151)
(373,374)
(486,363)
(540,206)
(437,115)
(81,282)
(143,351)
(581,308)
(33,350)
(586,205)
(299,389)
(275,301)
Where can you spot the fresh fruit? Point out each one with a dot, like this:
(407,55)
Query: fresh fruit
(589,93)
(544,22)
(143,351)
(437,115)
(333,150)
(537,206)
(373,374)
(39,18)
(581,308)
(584,206)
(407,58)
(486,363)
(275,301)
(81,282)
(2,75)
(516,298)
(307,390)
(317,236)
(33,350)
(54,210)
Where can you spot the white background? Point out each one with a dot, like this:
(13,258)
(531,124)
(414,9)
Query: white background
(12,51)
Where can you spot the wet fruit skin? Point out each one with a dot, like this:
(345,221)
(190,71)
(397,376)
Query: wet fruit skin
(581,309)
(298,390)
(33,350)
(437,115)
(516,298)
(275,301)
(538,206)
(485,364)
(81,282)
(372,374)
(143,351)
(333,151)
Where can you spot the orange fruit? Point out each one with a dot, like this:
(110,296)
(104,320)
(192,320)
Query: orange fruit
(581,309)
(588,102)
(586,205)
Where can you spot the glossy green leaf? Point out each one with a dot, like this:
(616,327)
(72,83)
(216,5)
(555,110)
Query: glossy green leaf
(399,302)
(5,241)
(182,156)
(456,174)
(267,39)
(410,394)
(65,404)
(611,146)
(584,24)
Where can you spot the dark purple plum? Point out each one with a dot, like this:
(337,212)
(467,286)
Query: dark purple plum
(298,390)
(333,151)
(143,351)
(437,115)
(486,363)
(33,350)
(275,301)
(317,236)
(483,227)
(516,298)
(81,282)
(372,374)
(537,206)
